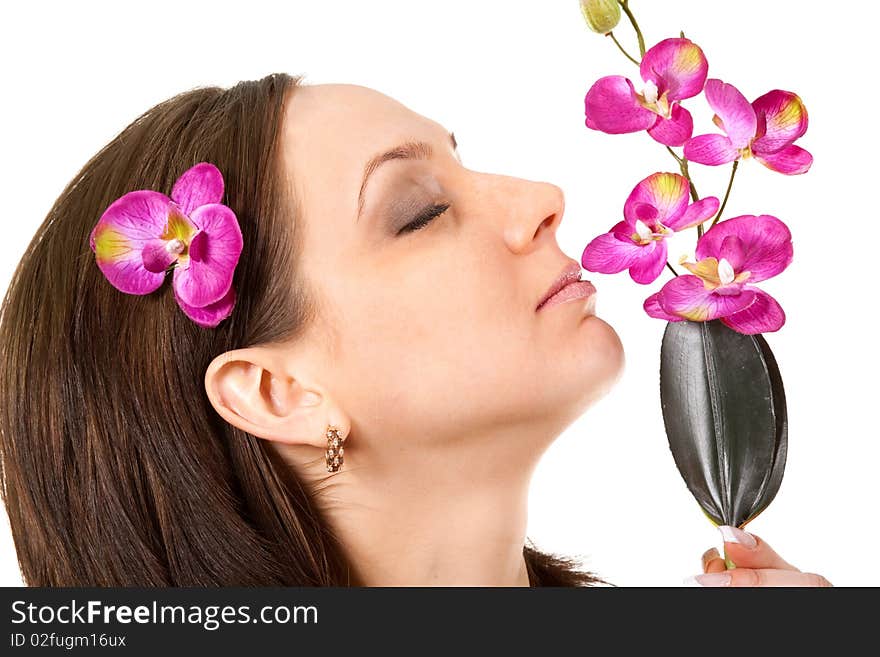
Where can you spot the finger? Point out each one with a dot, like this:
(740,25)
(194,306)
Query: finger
(754,577)
(750,551)
(712,561)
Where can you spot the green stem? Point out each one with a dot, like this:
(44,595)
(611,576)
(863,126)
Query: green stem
(694,196)
(726,194)
(671,269)
(628,56)
(624,4)
(687,174)
(683,165)
(672,153)
(727,561)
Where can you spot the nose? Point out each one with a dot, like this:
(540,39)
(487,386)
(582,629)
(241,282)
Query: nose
(534,212)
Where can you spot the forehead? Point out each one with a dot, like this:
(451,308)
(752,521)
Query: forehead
(330,131)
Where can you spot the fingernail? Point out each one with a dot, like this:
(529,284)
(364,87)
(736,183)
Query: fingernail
(709,579)
(708,555)
(737,535)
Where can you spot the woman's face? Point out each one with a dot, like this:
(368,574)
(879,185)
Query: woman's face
(430,337)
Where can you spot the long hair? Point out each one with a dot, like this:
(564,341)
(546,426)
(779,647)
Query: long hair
(115,468)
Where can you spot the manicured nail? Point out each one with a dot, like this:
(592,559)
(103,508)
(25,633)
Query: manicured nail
(709,579)
(708,555)
(737,535)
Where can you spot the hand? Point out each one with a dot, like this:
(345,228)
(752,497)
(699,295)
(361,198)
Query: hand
(756,564)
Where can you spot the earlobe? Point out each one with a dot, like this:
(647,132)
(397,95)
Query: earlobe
(253,391)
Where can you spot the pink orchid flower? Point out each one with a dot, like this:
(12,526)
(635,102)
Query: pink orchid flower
(143,232)
(672,70)
(745,248)
(766,128)
(656,208)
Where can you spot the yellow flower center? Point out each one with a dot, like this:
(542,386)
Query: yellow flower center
(713,272)
(645,234)
(649,100)
(178,233)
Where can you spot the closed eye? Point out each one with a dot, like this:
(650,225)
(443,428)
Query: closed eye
(424,218)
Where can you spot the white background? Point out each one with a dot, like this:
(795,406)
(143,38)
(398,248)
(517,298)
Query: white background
(509,78)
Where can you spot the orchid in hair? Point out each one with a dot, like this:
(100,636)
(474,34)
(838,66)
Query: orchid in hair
(143,233)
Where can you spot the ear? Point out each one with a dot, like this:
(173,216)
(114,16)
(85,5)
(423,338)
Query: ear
(253,390)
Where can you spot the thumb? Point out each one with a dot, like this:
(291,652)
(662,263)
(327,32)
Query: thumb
(750,551)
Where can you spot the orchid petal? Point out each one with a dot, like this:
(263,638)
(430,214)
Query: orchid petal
(782,118)
(611,106)
(199,185)
(126,227)
(764,315)
(711,150)
(660,197)
(733,110)
(643,213)
(213,256)
(212,314)
(791,160)
(687,297)
(624,231)
(647,268)
(675,130)
(765,244)
(608,254)
(654,309)
(733,252)
(696,213)
(677,66)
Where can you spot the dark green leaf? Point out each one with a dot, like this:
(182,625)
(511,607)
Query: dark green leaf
(725,416)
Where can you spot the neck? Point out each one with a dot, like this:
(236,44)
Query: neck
(431,519)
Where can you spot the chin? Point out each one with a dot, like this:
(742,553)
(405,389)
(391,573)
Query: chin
(604,365)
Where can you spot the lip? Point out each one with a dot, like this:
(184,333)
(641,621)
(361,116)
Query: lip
(570,274)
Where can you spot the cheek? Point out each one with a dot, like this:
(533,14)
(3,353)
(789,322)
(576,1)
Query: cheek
(429,353)
(426,349)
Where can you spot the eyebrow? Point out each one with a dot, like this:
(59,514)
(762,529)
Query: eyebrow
(410,150)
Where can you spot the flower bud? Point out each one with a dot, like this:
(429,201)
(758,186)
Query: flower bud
(602,16)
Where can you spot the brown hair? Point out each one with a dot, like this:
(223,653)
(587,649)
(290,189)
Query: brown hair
(115,468)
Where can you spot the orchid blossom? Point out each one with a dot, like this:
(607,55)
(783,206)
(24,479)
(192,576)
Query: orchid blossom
(766,128)
(144,232)
(672,70)
(731,256)
(655,209)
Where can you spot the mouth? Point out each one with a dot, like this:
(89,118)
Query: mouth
(567,286)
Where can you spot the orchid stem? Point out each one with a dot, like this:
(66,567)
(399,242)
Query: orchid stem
(694,196)
(726,194)
(687,174)
(671,268)
(624,4)
(628,56)
(683,165)
(727,561)
(672,152)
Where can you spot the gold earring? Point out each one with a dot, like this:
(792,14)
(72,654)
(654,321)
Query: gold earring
(334,449)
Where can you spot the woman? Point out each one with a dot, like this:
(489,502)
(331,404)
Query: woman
(399,308)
